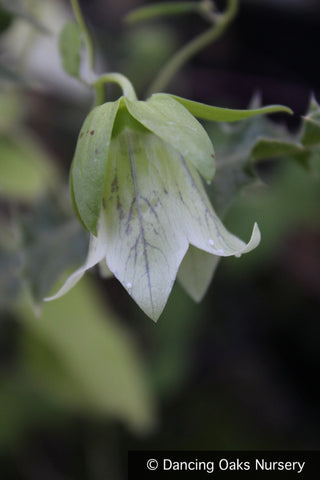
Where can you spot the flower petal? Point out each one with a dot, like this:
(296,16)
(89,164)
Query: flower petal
(144,247)
(155,205)
(104,269)
(89,163)
(196,271)
(97,251)
(172,122)
(202,226)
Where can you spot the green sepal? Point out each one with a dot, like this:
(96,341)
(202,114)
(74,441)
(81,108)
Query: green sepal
(217,114)
(70,42)
(171,122)
(89,163)
(73,201)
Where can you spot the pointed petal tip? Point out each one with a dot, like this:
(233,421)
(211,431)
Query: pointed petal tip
(68,284)
(254,239)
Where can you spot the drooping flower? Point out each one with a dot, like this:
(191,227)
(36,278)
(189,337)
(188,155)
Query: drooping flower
(136,186)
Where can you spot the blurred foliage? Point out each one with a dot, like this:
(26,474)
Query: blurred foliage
(23,10)
(74,360)
(21,152)
(150,46)
(81,355)
(70,48)
(240,147)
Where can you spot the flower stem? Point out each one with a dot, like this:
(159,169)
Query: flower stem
(82,24)
(221,22)
(121,80)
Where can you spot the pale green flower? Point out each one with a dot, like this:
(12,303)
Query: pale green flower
(136,187)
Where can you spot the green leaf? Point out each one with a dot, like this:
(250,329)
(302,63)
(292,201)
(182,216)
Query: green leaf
(54,259)
(270,148)
(217,114)
(171,122)
(26,170)
(13,112)
(70,43)
(89,164)
(288,205)
(237,147)
(17,8)
(50,239)
(196,272)
(162,9)
(25,408)
(97,251)
(80,355)
(155,205)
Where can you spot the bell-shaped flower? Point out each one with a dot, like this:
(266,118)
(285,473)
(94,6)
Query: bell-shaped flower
(136,186)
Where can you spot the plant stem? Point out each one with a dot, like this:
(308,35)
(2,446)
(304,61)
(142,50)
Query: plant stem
(194,46)
(82,24)
(121,80)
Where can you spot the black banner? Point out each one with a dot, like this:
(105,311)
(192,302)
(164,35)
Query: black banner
(198,465)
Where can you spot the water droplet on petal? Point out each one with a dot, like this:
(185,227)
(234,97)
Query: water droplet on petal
(238,255)
(129,285)
(220,251)
(211,242)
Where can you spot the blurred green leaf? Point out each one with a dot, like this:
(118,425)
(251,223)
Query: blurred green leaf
(36,248)
(270,148)
(234,145)
(12,108)
(291,201)
(294,194)
(23,407)
(55,249)
(50,239)
(238,147)
(150,46)
(70,43)
(157,10)
(26,170)
(18,8)
(81,356)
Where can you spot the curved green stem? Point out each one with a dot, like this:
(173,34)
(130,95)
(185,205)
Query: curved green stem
(194,46)
(82,24)
(121,80)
